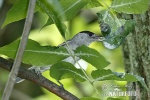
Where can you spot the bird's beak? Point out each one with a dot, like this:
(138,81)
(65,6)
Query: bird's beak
(98,38)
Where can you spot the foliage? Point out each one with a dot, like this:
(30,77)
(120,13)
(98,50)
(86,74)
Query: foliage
(130,7)
(62,70)
(116,34)
(91,56)
(35,54)
(19,9)
(113,29)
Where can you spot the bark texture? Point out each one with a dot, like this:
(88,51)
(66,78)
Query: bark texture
(136,52)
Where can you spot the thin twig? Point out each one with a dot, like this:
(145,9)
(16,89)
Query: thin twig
(39,80)
(19,55)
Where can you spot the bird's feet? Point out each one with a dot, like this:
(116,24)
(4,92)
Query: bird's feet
(37,70)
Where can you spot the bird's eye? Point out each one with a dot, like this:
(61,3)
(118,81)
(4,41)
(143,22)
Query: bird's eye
(90,34)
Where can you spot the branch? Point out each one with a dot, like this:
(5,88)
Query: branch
(19,55)
(39,80)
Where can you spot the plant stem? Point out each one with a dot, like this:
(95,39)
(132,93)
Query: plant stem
(14,72)
(73,56)
(87,78)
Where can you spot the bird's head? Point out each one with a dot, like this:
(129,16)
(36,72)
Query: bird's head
(87,37)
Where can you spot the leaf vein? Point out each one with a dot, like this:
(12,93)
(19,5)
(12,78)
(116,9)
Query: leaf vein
(125,4)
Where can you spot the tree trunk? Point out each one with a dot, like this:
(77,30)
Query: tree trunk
(136,52)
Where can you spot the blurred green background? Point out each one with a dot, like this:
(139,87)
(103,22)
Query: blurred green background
(84,20)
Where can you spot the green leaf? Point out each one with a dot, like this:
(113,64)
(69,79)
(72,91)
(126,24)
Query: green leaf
(101,75)
(94,3)
(35,54)
(63,70)
(53,9)
(142,81)
(17,12)
(116,39)
(89,98)
(130,6)
(114,30)
(70,9)
(105,17)
(91,56)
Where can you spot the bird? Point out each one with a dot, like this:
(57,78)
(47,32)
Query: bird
(81,38)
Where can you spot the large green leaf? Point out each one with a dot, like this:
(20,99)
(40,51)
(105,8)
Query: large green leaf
(117,38)
(105,17)
(53,9)
(91,56)
(101,75)
(130,6)
(70,9)
(17,12)
(35,54)
(114,30)
(63,70)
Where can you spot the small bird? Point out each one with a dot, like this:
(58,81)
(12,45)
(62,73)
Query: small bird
(82,38)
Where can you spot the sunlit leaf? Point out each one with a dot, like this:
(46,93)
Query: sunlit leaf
(130,6)
(63,70)
(93,3)
(53,9)
(113,32)
(70,9)
(35,54)
(17,12)
(116,39)
(107,18)
(101,75)
(91,56)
